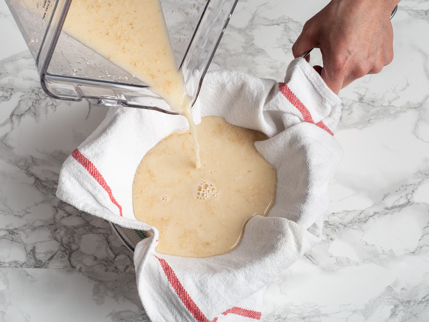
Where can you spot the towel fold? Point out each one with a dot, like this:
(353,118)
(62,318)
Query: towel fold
(299,117)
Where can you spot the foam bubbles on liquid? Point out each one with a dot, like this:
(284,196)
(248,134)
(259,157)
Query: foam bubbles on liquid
(165,198)
(206,191)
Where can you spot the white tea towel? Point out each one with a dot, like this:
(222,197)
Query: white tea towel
(298,116)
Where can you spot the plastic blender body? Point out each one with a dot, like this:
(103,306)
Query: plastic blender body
(71,71)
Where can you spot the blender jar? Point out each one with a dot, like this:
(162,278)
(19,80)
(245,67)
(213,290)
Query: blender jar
(70,70)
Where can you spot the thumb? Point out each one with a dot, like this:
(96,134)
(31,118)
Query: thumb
(334,82)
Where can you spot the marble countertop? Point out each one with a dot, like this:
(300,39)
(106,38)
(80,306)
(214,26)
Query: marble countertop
(59,264)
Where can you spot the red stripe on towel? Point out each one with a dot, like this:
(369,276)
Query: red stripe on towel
(181,292)
(190,304)
(323,126)
(291,97)
(243,312)
(92,170)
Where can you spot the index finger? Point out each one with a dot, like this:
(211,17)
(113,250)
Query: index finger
(304,43)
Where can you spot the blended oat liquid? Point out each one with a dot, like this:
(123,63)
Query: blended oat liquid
(201,213)
(133,35)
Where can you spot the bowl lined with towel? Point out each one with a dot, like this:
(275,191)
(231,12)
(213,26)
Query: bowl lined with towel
(299,117)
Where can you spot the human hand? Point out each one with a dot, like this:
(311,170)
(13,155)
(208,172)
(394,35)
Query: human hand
(354,36)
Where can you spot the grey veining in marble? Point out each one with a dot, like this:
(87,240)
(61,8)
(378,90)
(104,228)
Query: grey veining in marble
(59,264)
